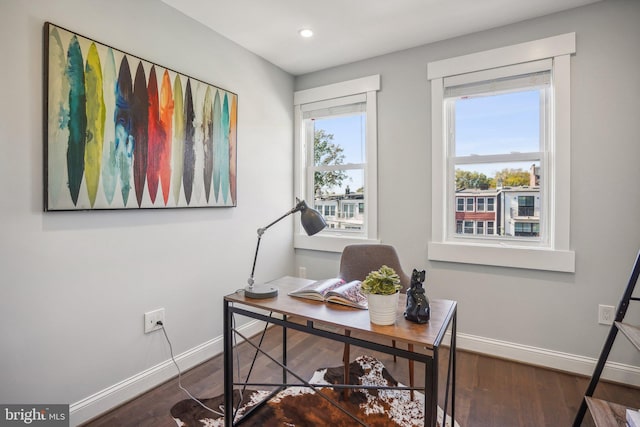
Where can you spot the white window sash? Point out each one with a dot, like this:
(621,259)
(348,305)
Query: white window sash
(344,167)
(530,74)
(498,158)
(334,107)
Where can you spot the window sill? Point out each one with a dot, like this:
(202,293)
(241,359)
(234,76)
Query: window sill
(504,256)
(328,243)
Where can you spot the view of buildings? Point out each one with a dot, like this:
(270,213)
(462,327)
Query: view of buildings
(501,211)
(342,211)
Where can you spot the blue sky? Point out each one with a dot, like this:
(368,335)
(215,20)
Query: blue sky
(500,124)
(348,133)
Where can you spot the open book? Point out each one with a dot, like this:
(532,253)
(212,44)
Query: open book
(334,290)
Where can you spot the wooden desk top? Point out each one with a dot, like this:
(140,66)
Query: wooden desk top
(428,335)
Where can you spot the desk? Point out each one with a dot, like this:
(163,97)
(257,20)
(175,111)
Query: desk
(427,336)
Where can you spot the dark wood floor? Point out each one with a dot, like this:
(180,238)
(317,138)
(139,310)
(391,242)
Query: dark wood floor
(489,392)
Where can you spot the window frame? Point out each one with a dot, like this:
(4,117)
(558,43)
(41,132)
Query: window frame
(333,240)
(468,227)
(530,77)
(480,206)
(491,227)
(554,254)
(491,207)
(530,208)
(470,204)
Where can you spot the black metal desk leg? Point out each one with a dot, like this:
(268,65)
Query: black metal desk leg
(451,372)
(453,349)
(228,365)
(434,388)
(431,391)
(284,352)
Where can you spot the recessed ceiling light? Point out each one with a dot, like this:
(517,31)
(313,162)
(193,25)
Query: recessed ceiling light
(306,33)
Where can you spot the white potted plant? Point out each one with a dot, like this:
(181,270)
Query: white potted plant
(382,288)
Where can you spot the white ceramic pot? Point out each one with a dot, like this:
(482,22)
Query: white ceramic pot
(383,308)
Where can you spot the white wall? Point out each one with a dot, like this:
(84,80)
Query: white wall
(511,312)
(74,285)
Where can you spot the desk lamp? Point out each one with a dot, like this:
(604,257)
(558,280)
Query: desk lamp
(312,222)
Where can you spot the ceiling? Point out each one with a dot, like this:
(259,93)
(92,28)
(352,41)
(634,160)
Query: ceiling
(349,30)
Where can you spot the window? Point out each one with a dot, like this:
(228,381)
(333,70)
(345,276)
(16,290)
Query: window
(460,204)
(526,206)
(335,160)
(490,227)
(480,204)
(501,121)
(468,227)
(350,210)
(329,210)
(469,204)
(480,227)
(527,229)
(497,132)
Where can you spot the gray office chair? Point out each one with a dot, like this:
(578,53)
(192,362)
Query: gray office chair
(356,262)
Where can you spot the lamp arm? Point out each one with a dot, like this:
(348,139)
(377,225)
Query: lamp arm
(299,206)
(263,229)
(255,258)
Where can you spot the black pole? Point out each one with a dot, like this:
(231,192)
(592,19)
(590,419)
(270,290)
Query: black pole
(622,311)
(228,366)
(255,258)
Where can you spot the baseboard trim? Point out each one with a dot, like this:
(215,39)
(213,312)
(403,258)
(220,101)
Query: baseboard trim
(117,394)
(613,371)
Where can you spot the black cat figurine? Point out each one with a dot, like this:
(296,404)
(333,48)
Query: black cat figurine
(417,309)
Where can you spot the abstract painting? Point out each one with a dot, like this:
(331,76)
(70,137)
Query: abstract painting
(124,133)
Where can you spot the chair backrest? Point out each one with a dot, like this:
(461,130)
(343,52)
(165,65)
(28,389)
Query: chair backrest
(358,261)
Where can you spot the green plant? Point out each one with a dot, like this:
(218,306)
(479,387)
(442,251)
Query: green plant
(384,281)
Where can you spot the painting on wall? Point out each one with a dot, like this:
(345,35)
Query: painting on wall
(124,133)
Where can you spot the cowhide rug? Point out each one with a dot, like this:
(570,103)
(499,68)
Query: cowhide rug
(301,406)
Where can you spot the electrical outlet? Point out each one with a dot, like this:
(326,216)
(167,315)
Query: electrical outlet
(606,314)
(302,272)
(151,319)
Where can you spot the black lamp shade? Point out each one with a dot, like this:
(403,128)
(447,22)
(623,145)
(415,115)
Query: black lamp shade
(311,220)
